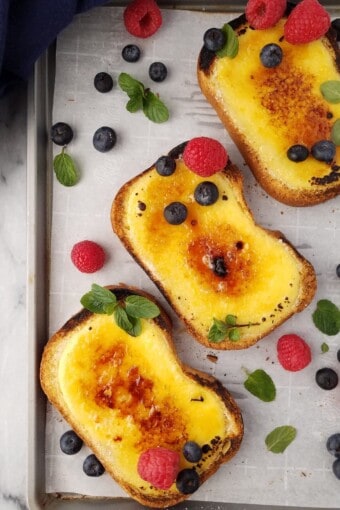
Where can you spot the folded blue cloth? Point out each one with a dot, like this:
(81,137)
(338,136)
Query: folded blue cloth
(27,28)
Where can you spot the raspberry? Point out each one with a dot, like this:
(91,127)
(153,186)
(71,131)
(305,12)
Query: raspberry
(159,466)
(142,18)
(293,352)
(88,256)
(205,156)
(307,22)
(263,14)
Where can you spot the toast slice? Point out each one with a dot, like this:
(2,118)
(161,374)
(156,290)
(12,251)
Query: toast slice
(123,395)
(263,280)
(268,110)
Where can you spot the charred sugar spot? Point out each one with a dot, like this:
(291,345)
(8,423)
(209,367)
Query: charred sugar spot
(329,115)
(239,245)
(224,197)
(263,319)
(281,38)
(141,205)
(206,448)
(199,399)
(193,223)
(280,306)
(90,328)
(333,176)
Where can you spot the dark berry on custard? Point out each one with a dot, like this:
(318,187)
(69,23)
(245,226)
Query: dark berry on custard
(271,55)
(206,193)
(214,39)
(192,451)
(175,213)
(165,165)
(324,150)
(187,481)
(298,153)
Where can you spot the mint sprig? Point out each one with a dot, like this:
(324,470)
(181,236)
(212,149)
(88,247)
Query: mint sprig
(279,438)
(330,90)
(127,313)
(326,317)
(65,169)
(231,46)
(261,385)
(141,98)
(228,328)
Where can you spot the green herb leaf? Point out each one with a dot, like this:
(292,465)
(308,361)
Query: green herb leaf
(141,307)
(218,331)
(281,437)
(99,300)
(122,319)
(65,169)
(230,49)
(134,104)
(324,347)
(136,326)
(234,334)
(331,91)
(130,85)
(154,109)
(231,320)
(335,133)
(326,317)
(261,385)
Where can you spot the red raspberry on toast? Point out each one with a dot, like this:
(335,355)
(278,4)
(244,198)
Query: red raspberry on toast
(263,14)
(205,156)
(88,256)
(142,18)
(307,22)
(293,352)
(159,466)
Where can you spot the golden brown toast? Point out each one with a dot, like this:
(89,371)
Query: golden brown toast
(268,110)
(123,395)
(264,279)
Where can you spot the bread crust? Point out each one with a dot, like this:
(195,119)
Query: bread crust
(277,188)
(306,270)
(50,385)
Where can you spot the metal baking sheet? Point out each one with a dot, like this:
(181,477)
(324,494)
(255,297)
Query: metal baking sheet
(39,193)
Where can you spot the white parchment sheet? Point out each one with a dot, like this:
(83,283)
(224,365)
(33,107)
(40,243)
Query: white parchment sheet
(302,475)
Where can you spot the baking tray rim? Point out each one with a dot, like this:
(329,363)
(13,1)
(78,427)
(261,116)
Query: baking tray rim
(39,202)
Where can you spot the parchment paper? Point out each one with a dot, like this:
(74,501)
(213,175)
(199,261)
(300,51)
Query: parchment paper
(300,476)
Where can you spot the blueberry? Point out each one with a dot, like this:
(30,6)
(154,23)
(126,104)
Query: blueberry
(92,466)
(326,378)
(336,26)
(192,451)
(165,165)
(298,153)
(131,53)
(333,444)
(271,55)
(337,270)
(219,266)
(158,71)
(104,139)
(206,193)
(214,39)
(103,82)
(324,151)
(70,443)
(188,481)
(61,133)
(336,468)
(175,213)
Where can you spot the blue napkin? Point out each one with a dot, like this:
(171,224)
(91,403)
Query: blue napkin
(27,28)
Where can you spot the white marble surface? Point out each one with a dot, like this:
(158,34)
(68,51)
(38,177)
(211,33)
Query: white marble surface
(13,338)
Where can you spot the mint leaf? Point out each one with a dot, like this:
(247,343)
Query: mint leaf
(324,347)
(65,169)
(281,437)
(234,334)
(134,104)
(335,133)
(141,307)
(130,85)
(154,109)
(326,317)
(99,300)
(217,331)
(121,319)
(230,49)
(331,91)
(261,385)
(231,320)
(136,326)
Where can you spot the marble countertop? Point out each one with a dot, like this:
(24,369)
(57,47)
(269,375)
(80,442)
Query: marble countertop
(13,337)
